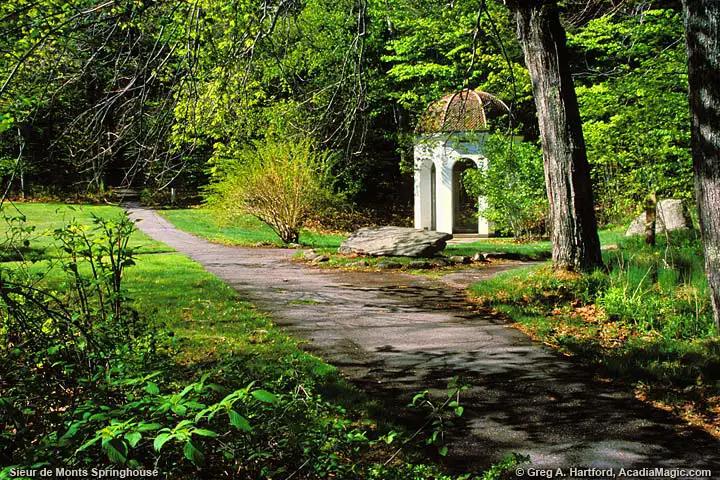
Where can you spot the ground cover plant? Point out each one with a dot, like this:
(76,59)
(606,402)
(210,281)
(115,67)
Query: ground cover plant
(646,321)
(118,359)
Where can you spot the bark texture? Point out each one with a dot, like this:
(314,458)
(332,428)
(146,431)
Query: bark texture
(575,243)
(702,29)
(650,219)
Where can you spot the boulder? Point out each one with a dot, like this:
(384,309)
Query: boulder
(479,257)
(671,215)
(310,255)
(439,262)
(394,242)
(460,259)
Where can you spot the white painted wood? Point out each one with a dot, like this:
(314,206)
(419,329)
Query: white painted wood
(444,150)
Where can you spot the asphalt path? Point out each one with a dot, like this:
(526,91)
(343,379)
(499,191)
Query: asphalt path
(394,335)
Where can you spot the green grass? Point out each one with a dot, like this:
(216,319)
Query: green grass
(538,250)
(206,315)
(46,217)
(203,329)
(246,230)
(647,321)
(535,250)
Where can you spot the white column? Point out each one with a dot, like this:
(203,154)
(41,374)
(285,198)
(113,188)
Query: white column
(444,191)
(423,189)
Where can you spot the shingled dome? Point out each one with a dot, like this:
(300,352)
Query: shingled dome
(463,111)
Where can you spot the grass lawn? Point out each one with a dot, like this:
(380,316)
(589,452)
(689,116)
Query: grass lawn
(242,231)
(278,409)
(536,249)
(43,218)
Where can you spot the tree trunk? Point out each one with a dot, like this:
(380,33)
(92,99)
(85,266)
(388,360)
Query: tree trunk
(650,219)
(702,30)
(575,243)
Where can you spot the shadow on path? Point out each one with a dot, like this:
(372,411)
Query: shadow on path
(395,335)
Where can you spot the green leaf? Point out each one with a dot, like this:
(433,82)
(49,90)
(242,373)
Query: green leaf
(204,433)
(152,388)
(98,417)
(183,424)
(144,427)
(418,396)
(264,396)
(187,390)
(444,451)
(161,440)
(87,444)
(239,422)
(133,438)
(459,411)
(193,454)
(116,450)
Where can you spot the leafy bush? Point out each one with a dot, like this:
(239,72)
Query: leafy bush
(279,182)
(513,186)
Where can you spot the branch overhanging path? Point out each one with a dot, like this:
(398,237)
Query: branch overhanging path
(395,335)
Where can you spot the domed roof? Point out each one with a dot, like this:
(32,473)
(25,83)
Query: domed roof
(463,111)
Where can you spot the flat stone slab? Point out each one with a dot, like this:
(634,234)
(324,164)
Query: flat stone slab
(395,242)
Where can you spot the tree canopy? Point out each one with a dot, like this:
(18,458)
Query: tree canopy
(153,94)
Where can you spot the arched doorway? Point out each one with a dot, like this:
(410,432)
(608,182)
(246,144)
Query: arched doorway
(465,209)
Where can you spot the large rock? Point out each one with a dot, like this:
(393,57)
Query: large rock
(394,242)
(671,215)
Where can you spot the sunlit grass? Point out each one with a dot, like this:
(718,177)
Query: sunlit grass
(46,217)
(245,230)
(647,320)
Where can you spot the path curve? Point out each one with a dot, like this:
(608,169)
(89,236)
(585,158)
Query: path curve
(395,335)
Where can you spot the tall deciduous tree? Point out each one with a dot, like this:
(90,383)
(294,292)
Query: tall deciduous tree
(575,241)
(702,30)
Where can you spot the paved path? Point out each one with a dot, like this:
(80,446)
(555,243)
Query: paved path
(395,335)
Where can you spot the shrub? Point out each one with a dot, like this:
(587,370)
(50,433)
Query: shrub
(279,182)
(513,186)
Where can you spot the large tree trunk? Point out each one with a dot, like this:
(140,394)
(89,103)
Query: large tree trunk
(575,243)
(702,30)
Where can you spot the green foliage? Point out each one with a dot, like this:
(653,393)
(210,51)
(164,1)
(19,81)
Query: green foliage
(433,51)
(440,415)
(90,317)
(647,320)
(660,290)
(209,387)
(87,88)
(513,186)
(634,106)
(278,182)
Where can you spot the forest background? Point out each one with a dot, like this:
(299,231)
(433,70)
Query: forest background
(161,95)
